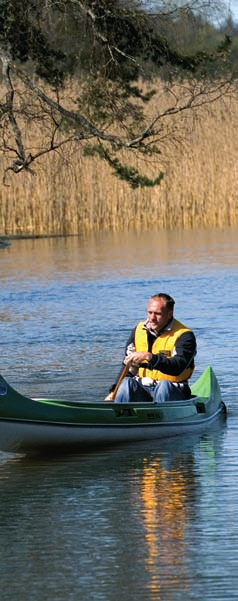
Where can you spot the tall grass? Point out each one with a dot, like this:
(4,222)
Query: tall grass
(199,190)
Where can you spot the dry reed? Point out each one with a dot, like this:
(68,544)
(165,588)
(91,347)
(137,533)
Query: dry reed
(81,195)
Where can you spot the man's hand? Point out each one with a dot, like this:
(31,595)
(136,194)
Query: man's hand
(137,358)
(109,397)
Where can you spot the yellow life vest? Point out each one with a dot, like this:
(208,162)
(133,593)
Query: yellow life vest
(165,344)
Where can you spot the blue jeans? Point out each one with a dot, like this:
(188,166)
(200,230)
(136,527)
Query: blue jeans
(132,390)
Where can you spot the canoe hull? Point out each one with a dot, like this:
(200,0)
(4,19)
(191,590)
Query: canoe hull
(27,437)
(34,425)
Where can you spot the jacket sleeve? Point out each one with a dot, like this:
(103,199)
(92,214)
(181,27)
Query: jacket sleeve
(183,356)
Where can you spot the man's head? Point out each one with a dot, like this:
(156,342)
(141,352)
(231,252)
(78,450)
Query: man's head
(160,310)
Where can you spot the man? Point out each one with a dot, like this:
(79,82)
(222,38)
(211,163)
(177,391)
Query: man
(161,352)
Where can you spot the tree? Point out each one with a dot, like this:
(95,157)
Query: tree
(103,50)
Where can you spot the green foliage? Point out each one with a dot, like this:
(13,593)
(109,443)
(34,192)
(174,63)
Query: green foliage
(60,37)
(132,175)
(92,150)
(124,172)
(25,39)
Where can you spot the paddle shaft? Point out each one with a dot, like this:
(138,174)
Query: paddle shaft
(121,377)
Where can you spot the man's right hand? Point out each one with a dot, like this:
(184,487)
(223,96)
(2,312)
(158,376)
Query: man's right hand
(137,358)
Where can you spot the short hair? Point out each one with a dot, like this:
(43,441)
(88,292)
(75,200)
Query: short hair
(168,300)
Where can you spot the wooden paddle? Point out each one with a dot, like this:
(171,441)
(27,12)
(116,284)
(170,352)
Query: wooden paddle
(118,382)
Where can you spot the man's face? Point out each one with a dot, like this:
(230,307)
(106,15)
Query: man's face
(158,315)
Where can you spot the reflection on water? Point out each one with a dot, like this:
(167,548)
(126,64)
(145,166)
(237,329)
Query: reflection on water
(125,523)
(164,514)
(154,520)
(116,255)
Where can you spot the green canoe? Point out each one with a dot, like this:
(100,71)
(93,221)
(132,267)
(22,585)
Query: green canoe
(34,425)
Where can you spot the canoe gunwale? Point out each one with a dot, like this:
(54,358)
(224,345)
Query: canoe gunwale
(221,409)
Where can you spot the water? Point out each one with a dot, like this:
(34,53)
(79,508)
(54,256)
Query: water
(154,520)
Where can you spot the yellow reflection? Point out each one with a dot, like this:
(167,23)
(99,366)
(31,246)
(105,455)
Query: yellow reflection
(163,507)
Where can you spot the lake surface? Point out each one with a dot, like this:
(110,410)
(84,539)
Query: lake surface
(152,521)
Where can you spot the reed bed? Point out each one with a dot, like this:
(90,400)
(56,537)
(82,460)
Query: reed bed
(68,197)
